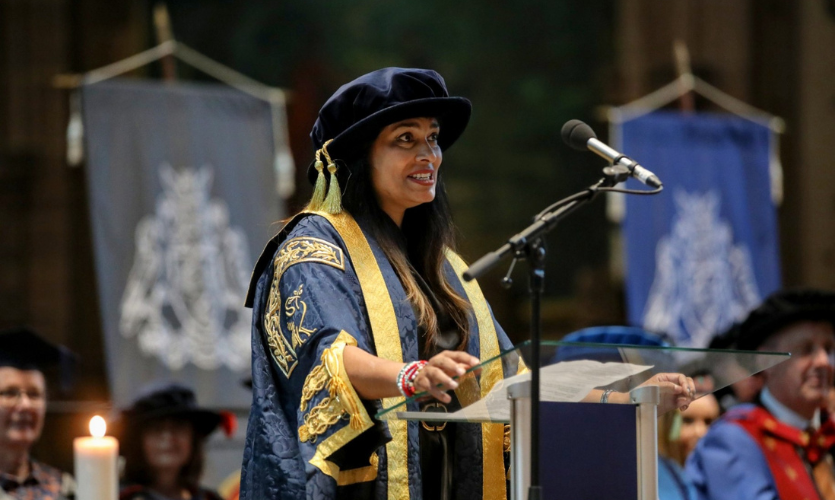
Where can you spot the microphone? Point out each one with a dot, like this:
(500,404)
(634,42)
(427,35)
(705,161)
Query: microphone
(581,137)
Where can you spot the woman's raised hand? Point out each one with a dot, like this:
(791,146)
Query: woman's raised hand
(436,377)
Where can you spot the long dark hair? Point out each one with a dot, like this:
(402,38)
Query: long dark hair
(138,471)
(428,231)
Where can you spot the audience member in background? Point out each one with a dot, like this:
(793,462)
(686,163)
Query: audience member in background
(23,358)
(162,436)
(678,433)
(686,428)
(672,482)
(779,447)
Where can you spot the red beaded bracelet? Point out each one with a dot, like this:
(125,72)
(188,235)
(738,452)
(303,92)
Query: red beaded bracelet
(406,377)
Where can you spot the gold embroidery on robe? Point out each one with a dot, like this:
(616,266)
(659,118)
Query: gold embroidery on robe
(291,305)
(294,251)
(347,403)
(339,402)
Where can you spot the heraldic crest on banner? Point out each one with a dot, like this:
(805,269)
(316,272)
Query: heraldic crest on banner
(184,297)
(703,281)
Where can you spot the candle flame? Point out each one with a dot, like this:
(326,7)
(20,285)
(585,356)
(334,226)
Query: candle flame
(98,426)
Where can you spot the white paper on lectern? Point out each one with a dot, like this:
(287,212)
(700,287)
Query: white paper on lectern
(568,381)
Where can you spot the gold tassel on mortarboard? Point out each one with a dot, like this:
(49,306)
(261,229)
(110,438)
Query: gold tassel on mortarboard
(333,201)
(318,197)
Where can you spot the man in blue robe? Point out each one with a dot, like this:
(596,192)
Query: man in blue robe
(781,446)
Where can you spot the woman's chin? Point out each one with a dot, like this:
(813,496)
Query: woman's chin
(423,198)
(22,438)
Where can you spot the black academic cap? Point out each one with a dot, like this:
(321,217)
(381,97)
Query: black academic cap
(22,348)
(781,309)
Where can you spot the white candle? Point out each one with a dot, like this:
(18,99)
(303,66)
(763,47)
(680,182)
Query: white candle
(96,475)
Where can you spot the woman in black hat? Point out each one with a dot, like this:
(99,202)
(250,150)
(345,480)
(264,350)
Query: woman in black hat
(358,302)
(161,437)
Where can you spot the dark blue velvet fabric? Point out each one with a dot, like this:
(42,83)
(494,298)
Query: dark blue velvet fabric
(276,464)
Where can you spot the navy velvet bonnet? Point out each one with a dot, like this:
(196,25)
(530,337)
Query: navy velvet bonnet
(357,112)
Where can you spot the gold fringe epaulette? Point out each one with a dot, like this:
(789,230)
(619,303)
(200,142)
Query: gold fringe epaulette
(338,402)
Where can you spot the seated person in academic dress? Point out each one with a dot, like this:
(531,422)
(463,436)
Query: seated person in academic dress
(781,446)
(162,437)
(24,356)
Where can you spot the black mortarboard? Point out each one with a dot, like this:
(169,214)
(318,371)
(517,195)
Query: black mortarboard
(780,310)
(22,348)
(170,399)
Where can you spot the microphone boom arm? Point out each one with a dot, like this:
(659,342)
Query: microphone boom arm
(543,224)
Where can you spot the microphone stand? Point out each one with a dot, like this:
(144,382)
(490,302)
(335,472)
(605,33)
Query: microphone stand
(528,245)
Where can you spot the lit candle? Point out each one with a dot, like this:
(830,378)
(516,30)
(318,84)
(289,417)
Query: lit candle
(96,475)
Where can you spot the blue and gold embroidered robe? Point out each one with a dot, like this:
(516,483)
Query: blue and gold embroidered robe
(323,284)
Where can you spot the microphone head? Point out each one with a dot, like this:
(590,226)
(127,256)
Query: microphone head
(577,134)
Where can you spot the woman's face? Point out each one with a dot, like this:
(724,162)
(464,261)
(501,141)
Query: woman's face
(22,407)
(696,419)
(167,443)
(405,159)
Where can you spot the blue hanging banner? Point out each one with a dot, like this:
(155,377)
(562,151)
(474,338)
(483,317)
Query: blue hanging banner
(704,252)
(182,198)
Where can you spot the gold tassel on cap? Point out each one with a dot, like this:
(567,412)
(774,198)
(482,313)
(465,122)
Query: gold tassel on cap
(333,201)
(319,191)
(318,197)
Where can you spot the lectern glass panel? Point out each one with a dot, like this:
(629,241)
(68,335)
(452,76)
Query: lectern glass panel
(570,371)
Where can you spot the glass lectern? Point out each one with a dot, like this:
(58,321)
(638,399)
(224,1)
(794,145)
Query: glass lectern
(587,450)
